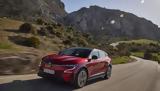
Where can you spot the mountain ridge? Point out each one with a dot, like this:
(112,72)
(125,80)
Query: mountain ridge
(112,24)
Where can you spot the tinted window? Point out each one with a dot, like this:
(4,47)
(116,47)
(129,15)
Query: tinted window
(77,52)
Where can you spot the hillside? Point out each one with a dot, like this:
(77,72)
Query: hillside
(19,49)
(24,49)
(113,25)
(32,9)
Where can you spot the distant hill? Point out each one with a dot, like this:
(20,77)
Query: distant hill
(32,9)
(114,25)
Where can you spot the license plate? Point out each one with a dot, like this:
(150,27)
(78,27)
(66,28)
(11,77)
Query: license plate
(49,71)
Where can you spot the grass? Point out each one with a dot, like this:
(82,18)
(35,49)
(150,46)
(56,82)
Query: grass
(6,23)
(5,45)
(156,56)
(141,41)
(138,54)
(9,23)
(121,59)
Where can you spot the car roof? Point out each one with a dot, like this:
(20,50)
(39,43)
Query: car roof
(82,48)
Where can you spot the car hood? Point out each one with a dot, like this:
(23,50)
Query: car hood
(58,59)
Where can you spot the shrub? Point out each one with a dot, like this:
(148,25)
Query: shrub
(27,28)
(147,55)
(50,29)
(59,34)
(42,31)
(32,42)
(82,42)
(124,52)
(69,29)
(67,42)
(40,21)
(59,24)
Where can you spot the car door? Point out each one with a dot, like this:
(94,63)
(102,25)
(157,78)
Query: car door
(92,65)
(101,62)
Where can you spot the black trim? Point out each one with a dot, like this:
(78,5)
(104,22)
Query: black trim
(97,76)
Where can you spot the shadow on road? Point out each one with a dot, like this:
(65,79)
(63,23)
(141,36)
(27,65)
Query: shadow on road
(39,85)
(35,85)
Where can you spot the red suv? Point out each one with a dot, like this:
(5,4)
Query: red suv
(76,65)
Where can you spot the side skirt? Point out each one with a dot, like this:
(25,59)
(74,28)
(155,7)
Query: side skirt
(98,75)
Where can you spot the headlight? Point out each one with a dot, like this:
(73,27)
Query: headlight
(43,61)
(70,66)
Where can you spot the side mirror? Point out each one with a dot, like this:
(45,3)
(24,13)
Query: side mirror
(60,52)
(94,57)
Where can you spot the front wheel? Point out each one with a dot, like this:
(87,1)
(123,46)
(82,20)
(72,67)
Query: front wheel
(81,79)
(108,72)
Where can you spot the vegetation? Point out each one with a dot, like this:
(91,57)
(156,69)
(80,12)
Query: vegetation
(147,49)
(32,42)
(121,59)
(140,41)
(40,21)
(5,45)
(138,54)
(9,23)
(27,28)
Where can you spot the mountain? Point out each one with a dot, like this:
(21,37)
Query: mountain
(32,9)
(106,24)
(103,24)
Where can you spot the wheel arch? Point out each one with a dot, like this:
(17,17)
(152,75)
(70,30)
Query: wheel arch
(78,70)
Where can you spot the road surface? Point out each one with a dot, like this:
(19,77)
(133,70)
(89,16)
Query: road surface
(142,75)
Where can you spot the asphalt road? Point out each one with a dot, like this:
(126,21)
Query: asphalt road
(142,75)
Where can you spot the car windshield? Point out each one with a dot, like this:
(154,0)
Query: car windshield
(77,52)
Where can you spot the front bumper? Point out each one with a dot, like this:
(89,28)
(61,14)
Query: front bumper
(59,74)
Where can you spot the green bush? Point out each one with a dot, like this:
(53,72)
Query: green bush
(120,59)
(32,42)
(27,28)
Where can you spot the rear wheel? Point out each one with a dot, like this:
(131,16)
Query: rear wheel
(108,72)
(81,78)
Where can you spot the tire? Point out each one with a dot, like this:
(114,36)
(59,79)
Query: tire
(81,79)
(108,72)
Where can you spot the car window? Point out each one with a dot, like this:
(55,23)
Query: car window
(77,52)
(96,53)
(102,54)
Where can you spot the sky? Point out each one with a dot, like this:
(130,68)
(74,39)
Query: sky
(149,9)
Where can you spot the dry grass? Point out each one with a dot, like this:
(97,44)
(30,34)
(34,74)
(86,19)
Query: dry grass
(9,23)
